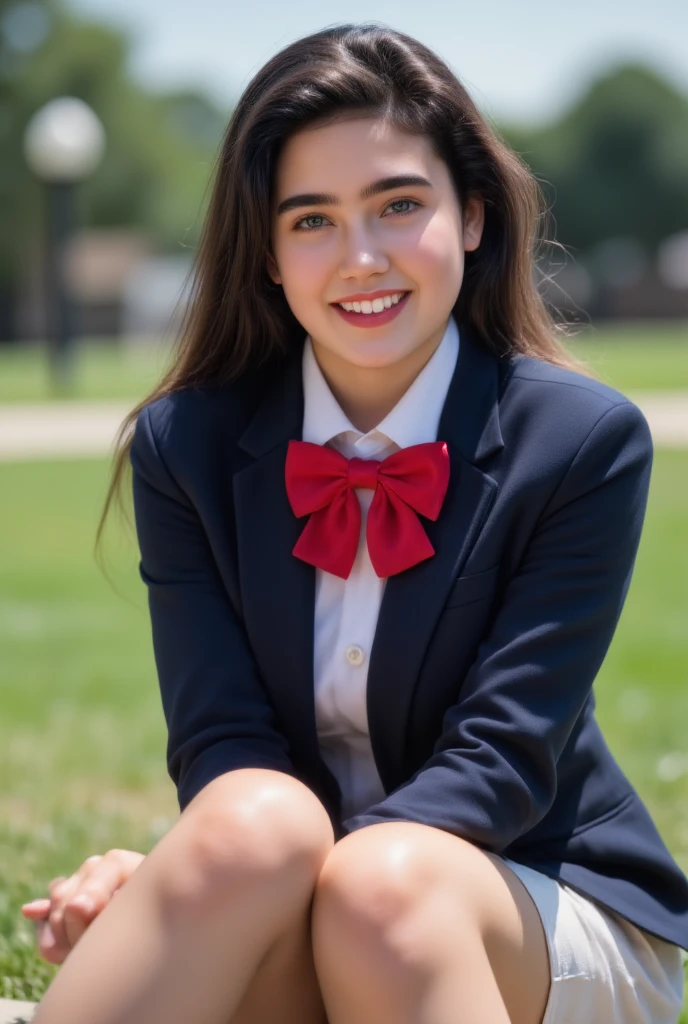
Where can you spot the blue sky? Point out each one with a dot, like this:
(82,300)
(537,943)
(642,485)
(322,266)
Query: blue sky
(522,61)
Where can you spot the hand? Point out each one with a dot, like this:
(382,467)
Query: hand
(74,902)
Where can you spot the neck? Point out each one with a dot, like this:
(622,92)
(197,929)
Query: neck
(367,394)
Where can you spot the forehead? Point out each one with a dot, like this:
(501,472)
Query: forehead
(350,151)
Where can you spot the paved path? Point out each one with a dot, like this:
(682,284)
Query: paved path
(14,1012)
(54,430)
(667,414)
(59,429)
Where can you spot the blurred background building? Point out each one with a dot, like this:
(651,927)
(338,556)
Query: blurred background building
(613,164)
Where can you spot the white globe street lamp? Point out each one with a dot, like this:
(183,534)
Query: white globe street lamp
(63,144)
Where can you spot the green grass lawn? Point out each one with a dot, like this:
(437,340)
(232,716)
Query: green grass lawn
(101,369)
(629,357)
(636,357)
(82,735)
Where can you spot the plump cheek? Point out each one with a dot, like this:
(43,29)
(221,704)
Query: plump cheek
(305,284)
(436,260)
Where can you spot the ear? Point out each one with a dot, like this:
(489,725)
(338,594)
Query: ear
(272,269)
(473,223)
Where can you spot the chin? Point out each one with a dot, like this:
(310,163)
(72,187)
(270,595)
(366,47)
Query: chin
(373,360)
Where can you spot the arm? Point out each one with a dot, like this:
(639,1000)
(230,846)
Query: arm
(216,708)
(493,772)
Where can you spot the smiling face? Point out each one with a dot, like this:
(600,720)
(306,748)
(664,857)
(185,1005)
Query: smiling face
(334,236)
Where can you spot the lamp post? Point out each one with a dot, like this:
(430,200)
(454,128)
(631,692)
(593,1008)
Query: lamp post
(63,143)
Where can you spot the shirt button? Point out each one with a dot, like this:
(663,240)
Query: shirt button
(355,655)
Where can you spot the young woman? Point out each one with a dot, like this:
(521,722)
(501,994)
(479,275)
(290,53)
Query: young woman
(387,525)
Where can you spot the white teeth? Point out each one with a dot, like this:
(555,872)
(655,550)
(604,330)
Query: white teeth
(376,306)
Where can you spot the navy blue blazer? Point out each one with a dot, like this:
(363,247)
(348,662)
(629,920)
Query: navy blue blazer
(480,699)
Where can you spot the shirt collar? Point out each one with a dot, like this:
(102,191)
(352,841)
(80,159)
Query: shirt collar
(413,420)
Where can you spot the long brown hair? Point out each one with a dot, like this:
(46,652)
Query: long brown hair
(237,318)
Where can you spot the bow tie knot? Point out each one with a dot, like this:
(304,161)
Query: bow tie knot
(363,472)
(322,482)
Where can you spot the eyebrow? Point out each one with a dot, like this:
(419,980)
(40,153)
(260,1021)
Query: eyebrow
(328,199)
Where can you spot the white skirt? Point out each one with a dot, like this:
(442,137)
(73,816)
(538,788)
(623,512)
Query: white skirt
(604,969)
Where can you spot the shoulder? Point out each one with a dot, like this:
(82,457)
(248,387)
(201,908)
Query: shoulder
(196,413)
(567,407)
(555,383)
(194,429)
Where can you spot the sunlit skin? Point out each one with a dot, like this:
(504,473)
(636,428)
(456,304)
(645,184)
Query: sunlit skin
(411,238)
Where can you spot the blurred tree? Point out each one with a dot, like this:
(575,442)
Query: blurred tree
(617,163)
(159,147)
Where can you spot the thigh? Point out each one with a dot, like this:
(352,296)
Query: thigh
(448,891)
(516,941)
(511,927)
(255,825)
(285,988)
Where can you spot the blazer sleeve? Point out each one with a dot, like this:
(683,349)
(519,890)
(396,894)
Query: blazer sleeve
(216,708)
(493,772)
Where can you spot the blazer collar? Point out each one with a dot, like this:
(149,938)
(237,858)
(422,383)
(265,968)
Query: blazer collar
(470,416)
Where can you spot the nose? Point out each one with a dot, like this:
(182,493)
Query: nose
(362,253)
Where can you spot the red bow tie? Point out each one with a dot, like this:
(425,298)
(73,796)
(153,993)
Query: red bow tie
(321,481)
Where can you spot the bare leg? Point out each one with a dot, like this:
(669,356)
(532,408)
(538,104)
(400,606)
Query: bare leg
(412,924)
(285,990)
(210,905)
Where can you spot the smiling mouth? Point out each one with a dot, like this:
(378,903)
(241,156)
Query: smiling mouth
(376,317)
(370,307)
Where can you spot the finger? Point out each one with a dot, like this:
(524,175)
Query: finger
(103,880)
(36,908)
(79,911)
(48,915)
(97,882)
(61,894)
(62,889)
(98,878)
(47,946)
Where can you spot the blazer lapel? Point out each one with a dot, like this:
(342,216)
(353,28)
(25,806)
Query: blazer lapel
(278,590)
(413,600)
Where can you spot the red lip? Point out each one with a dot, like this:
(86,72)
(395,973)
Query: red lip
(373,319)
(369,296)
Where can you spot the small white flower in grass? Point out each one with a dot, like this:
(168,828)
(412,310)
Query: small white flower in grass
(159,826)
(672,766)
(634,704)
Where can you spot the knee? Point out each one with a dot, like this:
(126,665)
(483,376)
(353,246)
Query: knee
(372,877)
(378,876)
(251,826)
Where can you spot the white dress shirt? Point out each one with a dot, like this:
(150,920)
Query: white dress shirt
(346,611)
